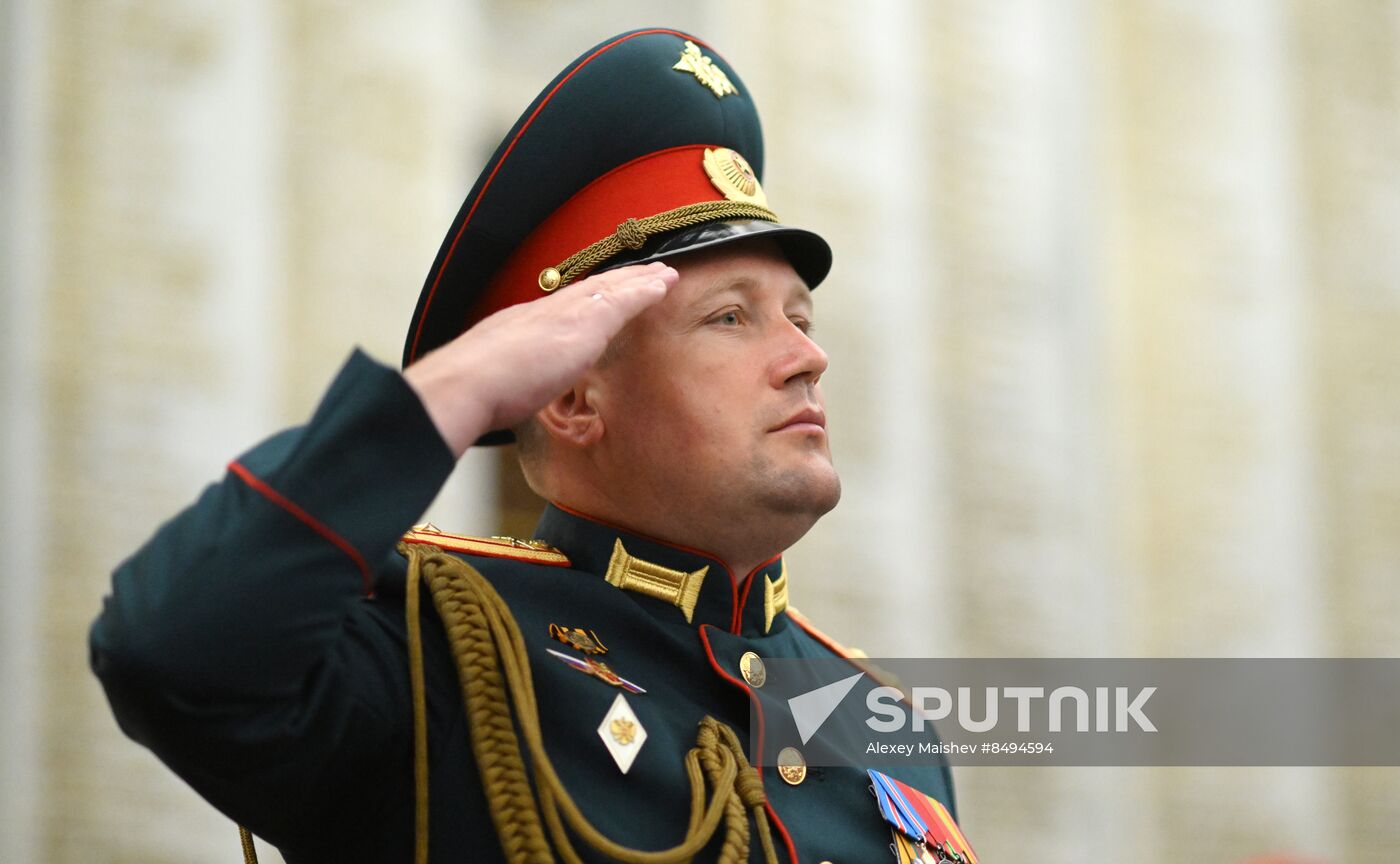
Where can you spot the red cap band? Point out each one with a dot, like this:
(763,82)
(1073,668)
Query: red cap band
(646,186)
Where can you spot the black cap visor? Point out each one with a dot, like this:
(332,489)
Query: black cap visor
(806,251)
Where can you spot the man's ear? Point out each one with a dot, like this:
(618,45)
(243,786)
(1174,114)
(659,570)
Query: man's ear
(572,417)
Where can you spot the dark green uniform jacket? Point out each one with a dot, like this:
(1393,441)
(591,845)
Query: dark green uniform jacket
(257,644)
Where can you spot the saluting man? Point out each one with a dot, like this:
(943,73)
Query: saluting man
(617,294)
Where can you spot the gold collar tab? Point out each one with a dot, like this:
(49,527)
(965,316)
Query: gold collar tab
(775,597)
(672,586)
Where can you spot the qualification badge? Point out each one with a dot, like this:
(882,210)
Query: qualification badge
(622,733)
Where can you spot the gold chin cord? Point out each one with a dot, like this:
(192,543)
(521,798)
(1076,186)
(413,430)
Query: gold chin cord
(633,234)
(491,660)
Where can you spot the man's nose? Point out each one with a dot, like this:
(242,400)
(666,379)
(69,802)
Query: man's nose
(801,359)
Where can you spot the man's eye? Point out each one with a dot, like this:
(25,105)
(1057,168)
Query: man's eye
(729,319)
(803,324)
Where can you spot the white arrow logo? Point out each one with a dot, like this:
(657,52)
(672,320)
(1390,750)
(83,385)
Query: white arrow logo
(810,710)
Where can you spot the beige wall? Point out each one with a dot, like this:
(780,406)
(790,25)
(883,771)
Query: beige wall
(1114,325)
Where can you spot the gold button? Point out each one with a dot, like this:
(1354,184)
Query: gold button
(791,766)
(550,279)
(751,666)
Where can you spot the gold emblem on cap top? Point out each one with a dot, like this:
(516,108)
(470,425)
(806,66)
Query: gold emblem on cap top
(704,70)
(733,177)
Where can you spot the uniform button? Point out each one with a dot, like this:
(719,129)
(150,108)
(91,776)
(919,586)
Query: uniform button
(791,766)
(751,666)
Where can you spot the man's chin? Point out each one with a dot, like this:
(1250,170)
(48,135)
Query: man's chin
(813,493)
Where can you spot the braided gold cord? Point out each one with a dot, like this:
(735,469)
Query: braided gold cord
(245,839)
(491,659)
(420,723)
(632,233)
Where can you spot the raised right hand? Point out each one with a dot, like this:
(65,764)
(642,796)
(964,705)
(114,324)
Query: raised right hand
(510,364)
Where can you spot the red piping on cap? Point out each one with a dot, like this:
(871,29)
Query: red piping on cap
(437,279)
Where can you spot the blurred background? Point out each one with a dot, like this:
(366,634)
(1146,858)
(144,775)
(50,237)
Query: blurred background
(1114,329)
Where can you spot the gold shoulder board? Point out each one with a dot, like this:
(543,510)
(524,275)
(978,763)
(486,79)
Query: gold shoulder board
(533,551)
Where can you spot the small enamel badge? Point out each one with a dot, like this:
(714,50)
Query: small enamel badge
(598,669)
(622,733)
(576,637)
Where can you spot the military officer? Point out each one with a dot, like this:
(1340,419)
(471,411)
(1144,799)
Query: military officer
(617,293)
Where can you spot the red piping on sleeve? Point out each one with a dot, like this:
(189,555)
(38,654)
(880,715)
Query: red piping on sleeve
(767,805)
(310,521)
(418,331)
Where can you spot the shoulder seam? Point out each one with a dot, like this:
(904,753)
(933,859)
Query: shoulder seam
(835,647)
